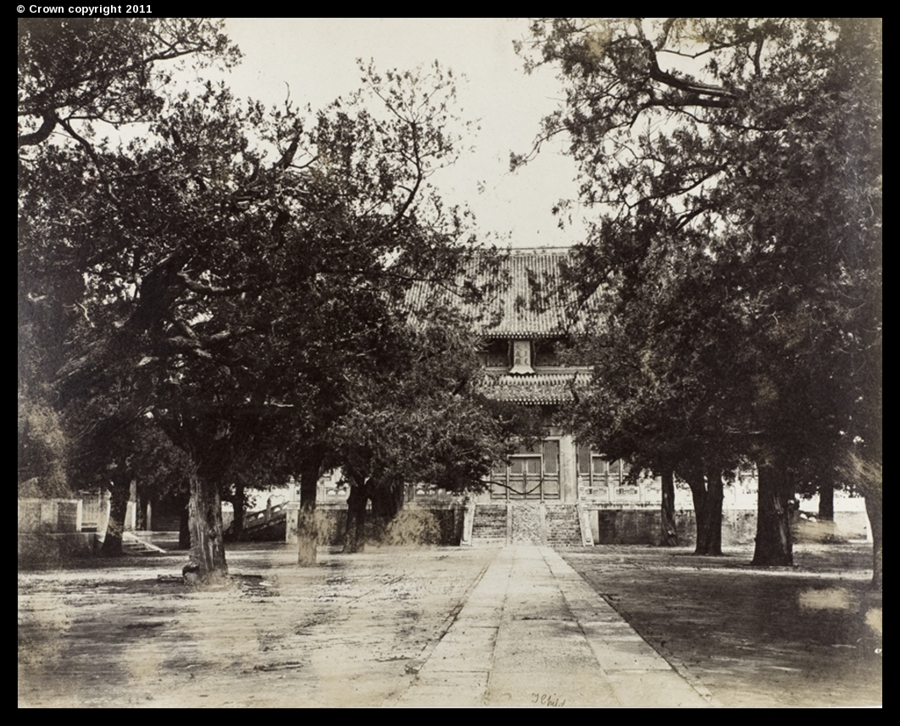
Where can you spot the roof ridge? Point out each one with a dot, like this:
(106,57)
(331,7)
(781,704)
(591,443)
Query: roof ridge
(536,250)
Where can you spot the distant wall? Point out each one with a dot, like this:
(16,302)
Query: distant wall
(49,515)
(50,548)
(49,530)
(642,526)
(847,525)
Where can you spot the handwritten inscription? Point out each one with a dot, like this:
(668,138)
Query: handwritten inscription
(547,699)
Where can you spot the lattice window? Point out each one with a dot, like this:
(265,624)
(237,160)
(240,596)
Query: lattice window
(597,475)
(530,465)
(531,471)
(545,353)
(550,450)
(583,454)
(495,353)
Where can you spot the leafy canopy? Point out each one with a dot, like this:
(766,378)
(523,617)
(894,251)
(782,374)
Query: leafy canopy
(734,167)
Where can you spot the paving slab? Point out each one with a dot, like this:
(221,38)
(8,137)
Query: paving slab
(545,639)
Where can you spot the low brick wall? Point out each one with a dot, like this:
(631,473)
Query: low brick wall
(846,526)
(49,515)
(437,524)
(47,549)
(642,526)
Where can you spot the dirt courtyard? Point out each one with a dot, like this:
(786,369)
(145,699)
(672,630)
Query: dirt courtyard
(808,635)
(353,630)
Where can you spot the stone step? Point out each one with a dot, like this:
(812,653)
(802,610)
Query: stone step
(134,545)
(563,526)
(559,524)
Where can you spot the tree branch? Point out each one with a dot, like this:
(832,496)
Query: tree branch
(419,177)
(203,289)
(48,123)
(94,158)
(668,79)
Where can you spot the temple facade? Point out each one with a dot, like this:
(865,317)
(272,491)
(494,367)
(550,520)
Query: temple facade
(528,316)
(547,492)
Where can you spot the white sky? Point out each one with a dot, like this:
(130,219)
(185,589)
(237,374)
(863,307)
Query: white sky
(316,57)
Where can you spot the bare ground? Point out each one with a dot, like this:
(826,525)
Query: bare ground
(808,635)
(344,633)
(353,630)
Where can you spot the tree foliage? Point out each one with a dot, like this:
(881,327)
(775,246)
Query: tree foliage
(78,72)
(423,422)
(42,450)
(232,267)
(734,166)
(77,77)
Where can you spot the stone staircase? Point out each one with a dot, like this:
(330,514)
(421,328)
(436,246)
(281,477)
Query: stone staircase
(562,525)
(553,524)
(489,525)
(266,525)
(134,545)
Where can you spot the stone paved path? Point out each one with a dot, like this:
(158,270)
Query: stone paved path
(533,633)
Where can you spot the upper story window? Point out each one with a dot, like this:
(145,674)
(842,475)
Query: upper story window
(596,470)
(519,356)
(495,353)
(544,353)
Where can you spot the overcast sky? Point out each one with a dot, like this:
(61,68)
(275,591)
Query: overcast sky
(316,57)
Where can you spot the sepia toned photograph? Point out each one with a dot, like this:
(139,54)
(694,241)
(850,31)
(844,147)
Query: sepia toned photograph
(448,362)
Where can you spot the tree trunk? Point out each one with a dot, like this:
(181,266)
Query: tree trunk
(773,518)
(355,535)
(307,530)
(239,504)
(699,496)
(874,509)
(711,543)
(826,501)
(139,524)
(210,444)
(207,546)
(668,534)
(387,501)
(118,506)
(184,527)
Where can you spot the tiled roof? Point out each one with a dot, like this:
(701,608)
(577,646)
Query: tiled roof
(537,388)
(526,294)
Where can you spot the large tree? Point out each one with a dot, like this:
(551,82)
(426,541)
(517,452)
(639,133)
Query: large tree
(77,77)
(736,165)
(637,410)
(235,264)
(378,227)
(79,80)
